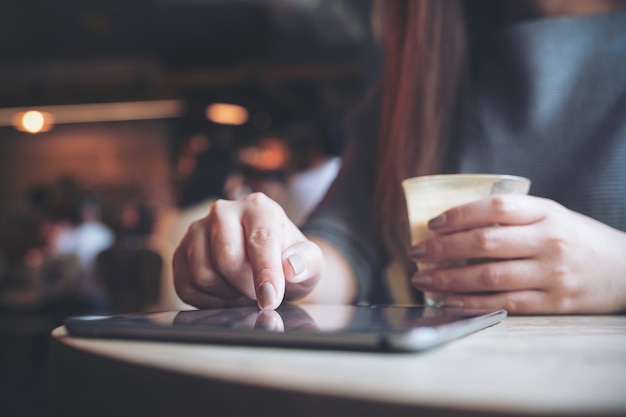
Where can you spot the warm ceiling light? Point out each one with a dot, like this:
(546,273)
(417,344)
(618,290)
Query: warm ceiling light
(227,114)
(97,112)
(33,121)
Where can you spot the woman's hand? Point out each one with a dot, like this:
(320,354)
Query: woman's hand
(245,252)
(542,258)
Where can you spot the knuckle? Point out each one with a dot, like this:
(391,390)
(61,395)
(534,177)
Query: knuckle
(500,205)
(564,304)
(459,214)
(260,201)
(486,240)
(257,199)
(264,273)
(435,247)
(491,277)
(261,237)
(218,205)
(560,275)
(441,279)
(557,246)
(510,305)
(563,279)
(204,279)
(194,227)
(515,305)
(521,304)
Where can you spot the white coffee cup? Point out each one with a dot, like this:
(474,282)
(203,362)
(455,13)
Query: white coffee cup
(431,195)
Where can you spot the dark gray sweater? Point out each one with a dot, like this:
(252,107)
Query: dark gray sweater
(548,102)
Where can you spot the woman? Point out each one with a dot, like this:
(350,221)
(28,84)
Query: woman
(542,97)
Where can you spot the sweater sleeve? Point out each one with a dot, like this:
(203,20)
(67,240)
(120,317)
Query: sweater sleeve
(345,217)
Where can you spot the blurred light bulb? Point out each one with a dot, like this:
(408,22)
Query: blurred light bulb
(33,121)
(227,114)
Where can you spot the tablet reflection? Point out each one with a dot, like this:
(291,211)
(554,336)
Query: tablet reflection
(316,318)
(286,318)
(269,320)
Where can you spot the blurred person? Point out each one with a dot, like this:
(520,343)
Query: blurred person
(133,224)
(86,239)
(131,268)
(529,88)
(32,276)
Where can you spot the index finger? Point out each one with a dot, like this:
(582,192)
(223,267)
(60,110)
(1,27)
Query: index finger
(497,209)
(263,231)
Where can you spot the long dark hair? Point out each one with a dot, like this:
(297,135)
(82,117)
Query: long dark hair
(426,64)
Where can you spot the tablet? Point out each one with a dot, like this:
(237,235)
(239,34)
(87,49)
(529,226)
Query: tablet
(373,328)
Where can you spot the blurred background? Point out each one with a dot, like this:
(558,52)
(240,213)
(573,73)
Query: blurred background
(120,122)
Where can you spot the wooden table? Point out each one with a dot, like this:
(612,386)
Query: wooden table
(557,365)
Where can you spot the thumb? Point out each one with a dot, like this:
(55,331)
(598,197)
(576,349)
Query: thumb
(302,261)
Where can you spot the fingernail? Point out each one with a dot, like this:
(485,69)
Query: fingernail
(297,262)
(417,251)
(267,295)
(421,280)
(437,221)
